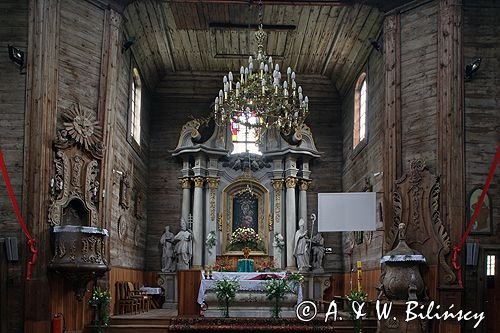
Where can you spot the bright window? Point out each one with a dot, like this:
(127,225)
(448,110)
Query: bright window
(243,135)
(490,265)
(360,105)
(135,106)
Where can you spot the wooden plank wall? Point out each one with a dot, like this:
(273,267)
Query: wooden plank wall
(14,31)
(482,120)
(129,251)
(182,95)
(366,160)
(419,84)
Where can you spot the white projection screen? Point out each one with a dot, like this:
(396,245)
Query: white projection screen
(353,211)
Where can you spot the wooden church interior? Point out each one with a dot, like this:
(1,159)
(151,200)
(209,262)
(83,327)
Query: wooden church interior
(102,115)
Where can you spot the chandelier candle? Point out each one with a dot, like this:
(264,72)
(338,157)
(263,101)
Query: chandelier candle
(263,95)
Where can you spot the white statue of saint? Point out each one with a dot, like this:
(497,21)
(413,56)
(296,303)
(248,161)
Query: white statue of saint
(183,247)
(301,247)
(167,258)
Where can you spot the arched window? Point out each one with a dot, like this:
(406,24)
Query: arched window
(360,104)
(245,137)
(135,106)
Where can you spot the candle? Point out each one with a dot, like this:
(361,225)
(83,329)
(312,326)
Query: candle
(360,276)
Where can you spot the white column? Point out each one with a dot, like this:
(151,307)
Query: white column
(186,198)
(211,221)
(303,187)
(198,240)
(278,225)
(291,222)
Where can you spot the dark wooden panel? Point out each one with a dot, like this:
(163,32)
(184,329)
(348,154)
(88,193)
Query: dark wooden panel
(189,285)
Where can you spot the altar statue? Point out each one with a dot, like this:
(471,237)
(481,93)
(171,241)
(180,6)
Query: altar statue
(318,253)
(301,247)
(167,258)
(184,246)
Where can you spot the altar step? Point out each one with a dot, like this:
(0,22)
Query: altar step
(136,324)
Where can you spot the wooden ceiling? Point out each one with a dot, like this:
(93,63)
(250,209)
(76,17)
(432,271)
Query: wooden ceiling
(329,39)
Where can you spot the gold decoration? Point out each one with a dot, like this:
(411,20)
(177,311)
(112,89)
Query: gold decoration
(304,184)
(198,181)
(213,183)
(277,185)
(219,222)
(246,252)
(185,182)
(291,182)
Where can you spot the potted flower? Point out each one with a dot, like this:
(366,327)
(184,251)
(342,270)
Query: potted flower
(223,264)
(360,297)
(100,301)
(225,290)
(276,290)
(295,279)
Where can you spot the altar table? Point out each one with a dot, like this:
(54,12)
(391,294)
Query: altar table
(251,290)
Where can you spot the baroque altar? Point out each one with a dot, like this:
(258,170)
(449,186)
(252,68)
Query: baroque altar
(224,191)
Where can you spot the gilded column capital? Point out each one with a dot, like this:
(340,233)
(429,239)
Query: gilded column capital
(304,184)
(185,182)
(291,182)
(198,181)
(213,182)
(277,184)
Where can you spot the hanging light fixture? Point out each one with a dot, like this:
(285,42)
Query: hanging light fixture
(261,98)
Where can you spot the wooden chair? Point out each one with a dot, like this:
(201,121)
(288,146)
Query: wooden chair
(124,301)
(143,298)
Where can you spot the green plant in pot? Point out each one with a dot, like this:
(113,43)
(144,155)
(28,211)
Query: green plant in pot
(100,300)
(360,297)
(276,290)
(225,290)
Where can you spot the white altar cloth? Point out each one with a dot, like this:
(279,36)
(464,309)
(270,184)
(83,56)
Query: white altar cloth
(245,280)
(151,290)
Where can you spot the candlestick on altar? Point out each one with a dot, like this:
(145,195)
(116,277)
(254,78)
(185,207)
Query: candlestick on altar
(360,276)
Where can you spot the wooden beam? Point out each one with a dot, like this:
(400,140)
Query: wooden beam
(270,2)
(450,113)
(392,141)
(41,113)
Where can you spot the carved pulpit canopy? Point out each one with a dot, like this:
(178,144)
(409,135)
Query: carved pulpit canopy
(75,186)
(416,204)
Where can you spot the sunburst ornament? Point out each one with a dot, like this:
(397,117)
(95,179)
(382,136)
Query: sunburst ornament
(80,127)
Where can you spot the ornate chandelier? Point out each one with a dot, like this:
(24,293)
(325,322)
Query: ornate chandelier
(261,99)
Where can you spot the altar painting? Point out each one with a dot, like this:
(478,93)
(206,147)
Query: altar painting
(245,203)
(245,211)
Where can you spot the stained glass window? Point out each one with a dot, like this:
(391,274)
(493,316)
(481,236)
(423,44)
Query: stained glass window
(243,135)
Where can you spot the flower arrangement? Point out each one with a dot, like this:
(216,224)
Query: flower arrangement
(210,241)
(223,264)
(279,241)
(225,290)
(360,297)
(276,289)
(100,300)
(245,237)
(265,264)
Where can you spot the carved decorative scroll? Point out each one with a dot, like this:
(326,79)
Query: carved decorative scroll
(416,203)
(75,186)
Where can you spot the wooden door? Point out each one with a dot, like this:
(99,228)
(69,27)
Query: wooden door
(491,262)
